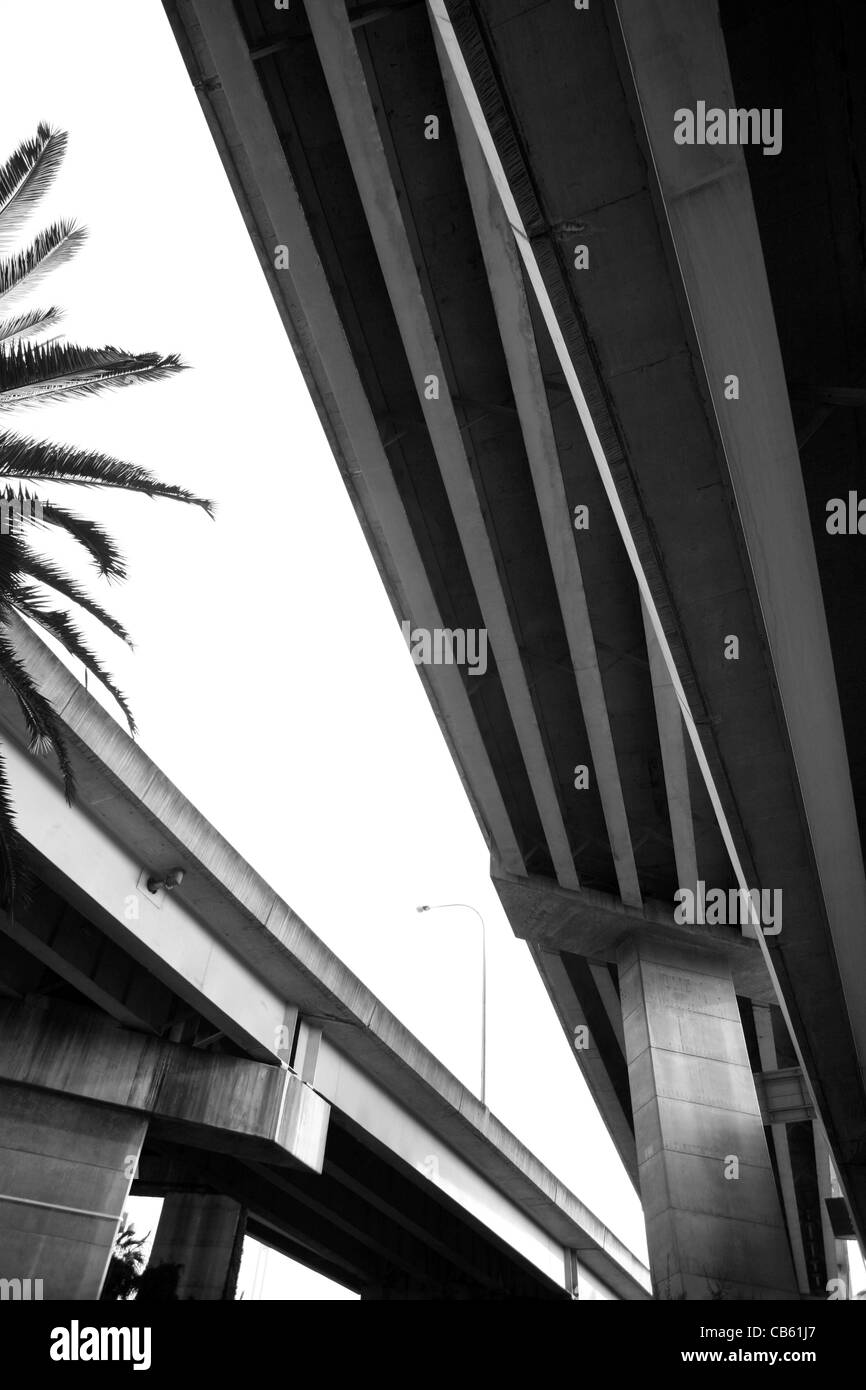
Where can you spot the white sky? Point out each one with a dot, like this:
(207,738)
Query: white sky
(270,679)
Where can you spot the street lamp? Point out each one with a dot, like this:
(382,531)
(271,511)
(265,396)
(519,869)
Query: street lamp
(439,907)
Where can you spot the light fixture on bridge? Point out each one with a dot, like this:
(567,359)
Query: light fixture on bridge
(171,880)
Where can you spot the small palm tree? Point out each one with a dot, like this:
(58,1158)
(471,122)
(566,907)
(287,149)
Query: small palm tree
(34,370)
(126,1263)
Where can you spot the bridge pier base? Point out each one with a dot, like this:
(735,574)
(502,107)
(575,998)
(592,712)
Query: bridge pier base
(66,1166)
(714,1221)
(203,1234)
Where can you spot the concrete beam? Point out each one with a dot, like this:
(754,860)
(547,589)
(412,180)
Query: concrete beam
(784,1096)
(594,925)
(609,997)
(94,965)
(502,262)
(216,1101)
(673,746)
(344,74)
(767,1051)
(835,1254)
(676,55)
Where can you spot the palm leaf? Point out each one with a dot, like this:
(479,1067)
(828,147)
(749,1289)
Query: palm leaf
(42,725)
(23,508)
(30,602)
(32,372)
(25,177)
(100,546)
(28,564)
(25,325)
(60,463)
(13,873)
(24,272)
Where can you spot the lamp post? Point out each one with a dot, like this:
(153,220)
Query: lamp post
(439,907)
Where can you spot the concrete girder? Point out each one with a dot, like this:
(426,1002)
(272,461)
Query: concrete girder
(213,1100)
(835,1254)
(708,205)
(609,997)
(344,74)
(784,1096)
(708,208)
(341,1226)
(806,949)
(437,1239)
(406,1254)
(314,1253)
(593,925)
(358,1098)
(97,968)
(767,1052)
(673,745)
(502,262)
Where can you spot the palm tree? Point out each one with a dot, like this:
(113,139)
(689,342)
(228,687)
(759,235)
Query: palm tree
(126,1263)
(34,370)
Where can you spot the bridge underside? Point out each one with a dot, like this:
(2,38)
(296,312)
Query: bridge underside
(348,143)
(144,1097)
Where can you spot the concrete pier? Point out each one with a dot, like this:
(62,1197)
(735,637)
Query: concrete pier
(66,1166)
(714,1222)
(202,1233)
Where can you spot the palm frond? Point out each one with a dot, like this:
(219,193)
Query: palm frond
(24,508)
(33,566)
(13,872)
(42,725)
(25,177)
(24,272)
(31,373)
(21,457)
(25,325)
(30,602)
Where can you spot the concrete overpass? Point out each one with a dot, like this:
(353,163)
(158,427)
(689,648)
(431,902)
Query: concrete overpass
(591,390)
(203,1045)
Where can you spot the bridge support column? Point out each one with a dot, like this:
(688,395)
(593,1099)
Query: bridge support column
(203,1234)
(714,1224)
(66,1166)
